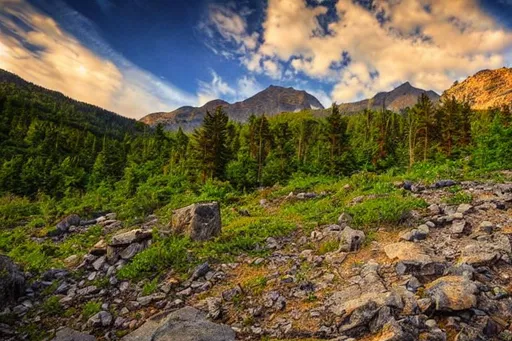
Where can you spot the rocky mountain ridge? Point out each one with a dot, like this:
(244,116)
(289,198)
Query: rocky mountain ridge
(271,101)
(484,90)
(395,100)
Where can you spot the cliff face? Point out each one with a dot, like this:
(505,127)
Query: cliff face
(486,89)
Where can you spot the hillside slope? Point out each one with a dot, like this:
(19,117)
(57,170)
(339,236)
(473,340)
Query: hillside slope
(486,89)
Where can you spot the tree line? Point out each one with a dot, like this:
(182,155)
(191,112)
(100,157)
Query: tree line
(46,149)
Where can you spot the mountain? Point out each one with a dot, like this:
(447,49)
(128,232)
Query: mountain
(486,89)
(396,100)
(55,107)
(271,101)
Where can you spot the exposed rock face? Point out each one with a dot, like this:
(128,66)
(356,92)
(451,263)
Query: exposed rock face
(486,89)
(186,324)
(271,101)
(198,221)
(12,280)
(130,237)
(396,100)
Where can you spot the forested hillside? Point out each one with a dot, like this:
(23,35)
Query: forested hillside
(49,142)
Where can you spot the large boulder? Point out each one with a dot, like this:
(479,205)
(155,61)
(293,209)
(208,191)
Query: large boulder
(12,281)
(453,293)
(67,334)
(198,221)
(186,324)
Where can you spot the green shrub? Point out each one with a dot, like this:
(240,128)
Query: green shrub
(170,253)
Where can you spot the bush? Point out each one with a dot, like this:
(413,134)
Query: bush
(163,254)
(91,308)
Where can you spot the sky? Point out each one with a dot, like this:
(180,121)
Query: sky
(136,57)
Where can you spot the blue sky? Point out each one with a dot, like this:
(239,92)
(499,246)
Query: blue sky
(140,56)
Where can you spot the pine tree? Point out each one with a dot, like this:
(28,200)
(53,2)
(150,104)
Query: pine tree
(210,145)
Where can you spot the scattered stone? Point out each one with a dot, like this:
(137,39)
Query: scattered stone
(214,307)
(406,251)
(464,208)
(486,227)
(130,251)
(72,260)
(458,227)
(344,219)
(99,249)
(198,221)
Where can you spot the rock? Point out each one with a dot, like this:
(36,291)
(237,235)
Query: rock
(419,233)
(98,263)
(130,237)
(68,334)
(458,226)
(99,249)
(351,240)
(214,307)
(406,251)
(186,324)
(64,225)
(344,219)
(444,183)
(486,251)
(131,250)
(464,208)
(200,271)
(12,281)
(434,209)
(101,319)
(72,260)
(486,227)
(453,293)
(198,221)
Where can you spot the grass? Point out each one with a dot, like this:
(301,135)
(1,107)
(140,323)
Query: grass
(150,287)
(388,210)
(91,308)
(328,246)
(459,198)
(170,253)
(52,307)
(255,284)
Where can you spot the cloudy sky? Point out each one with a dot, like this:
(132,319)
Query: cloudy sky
(140,56)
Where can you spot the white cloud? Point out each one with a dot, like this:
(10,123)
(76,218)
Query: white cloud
(427,42)
(47,55)
(217,88)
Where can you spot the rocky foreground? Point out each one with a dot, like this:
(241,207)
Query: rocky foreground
(444,275)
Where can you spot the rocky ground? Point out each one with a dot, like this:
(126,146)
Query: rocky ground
(443,275)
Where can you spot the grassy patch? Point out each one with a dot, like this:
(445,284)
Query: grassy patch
(91,308)
(52,306)
(170,253)
(150,287)
(459,198)
(328,246)
(383,210)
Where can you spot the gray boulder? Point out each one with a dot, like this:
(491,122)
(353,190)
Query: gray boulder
(12,281)
(351,240)
(198,221)
(186,324)
(68,334)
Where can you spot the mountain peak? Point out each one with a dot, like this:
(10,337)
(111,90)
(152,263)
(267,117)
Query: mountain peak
(271,101)
(397,99)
